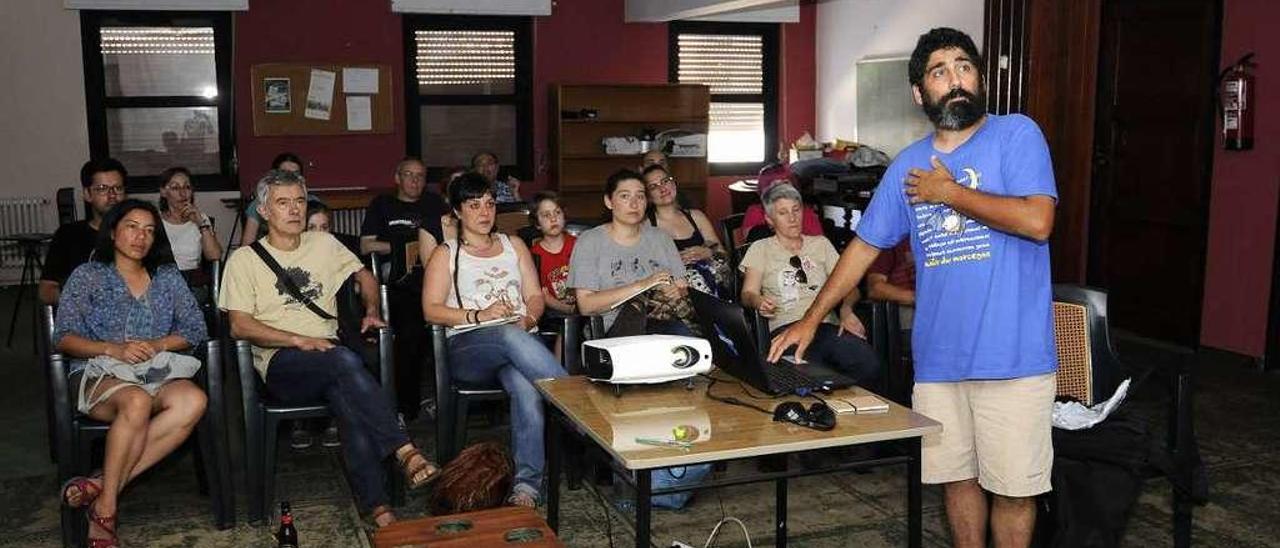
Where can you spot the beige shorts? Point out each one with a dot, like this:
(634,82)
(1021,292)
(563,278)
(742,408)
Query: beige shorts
(998,431)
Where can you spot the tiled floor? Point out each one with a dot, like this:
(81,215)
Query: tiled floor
(1236,419)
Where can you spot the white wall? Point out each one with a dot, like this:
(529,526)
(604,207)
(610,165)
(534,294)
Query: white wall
(849,30)
(43,134)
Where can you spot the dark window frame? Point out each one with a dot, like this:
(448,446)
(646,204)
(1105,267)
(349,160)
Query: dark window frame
(521,98)
(768,33)
(97,103)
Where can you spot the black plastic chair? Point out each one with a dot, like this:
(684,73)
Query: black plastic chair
(729,227)
(65,198)
(74,435)
(262,419)
(884,331)
(1089,370)
(454,398)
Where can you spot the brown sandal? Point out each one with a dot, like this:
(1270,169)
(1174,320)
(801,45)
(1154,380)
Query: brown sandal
(379,511)
(88,491)
(106,523)
(418,471)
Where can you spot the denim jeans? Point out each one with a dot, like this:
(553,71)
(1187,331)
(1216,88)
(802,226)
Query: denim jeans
(368,425)
(844,352)
(515,359)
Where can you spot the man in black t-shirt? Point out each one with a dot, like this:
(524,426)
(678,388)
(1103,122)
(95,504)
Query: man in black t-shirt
(391,222)
(103,182)
(411,214)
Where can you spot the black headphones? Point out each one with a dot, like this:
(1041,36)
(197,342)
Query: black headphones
(817,417)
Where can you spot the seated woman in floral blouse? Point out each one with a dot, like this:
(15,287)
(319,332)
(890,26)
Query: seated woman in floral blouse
(126,308)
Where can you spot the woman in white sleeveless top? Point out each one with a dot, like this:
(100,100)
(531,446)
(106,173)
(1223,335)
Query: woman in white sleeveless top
(481,277)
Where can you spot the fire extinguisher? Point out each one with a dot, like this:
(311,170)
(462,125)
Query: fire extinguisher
(1237,105)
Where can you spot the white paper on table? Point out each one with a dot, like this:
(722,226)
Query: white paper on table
(320,94)
(359,113)
(1073,415)
(360,80)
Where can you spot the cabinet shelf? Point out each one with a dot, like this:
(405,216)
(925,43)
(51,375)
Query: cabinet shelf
(580,166)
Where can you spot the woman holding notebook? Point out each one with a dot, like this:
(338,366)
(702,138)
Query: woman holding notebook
(484,287)
(628,269)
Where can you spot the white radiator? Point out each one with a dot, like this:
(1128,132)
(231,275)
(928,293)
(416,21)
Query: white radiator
(18,216)
(347,221)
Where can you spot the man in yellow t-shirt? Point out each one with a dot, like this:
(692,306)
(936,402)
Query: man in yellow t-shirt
(295,350)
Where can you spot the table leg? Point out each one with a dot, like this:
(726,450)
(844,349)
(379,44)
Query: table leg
(780,510)
(551,431)
(644,503)
(913,494)
(27,273)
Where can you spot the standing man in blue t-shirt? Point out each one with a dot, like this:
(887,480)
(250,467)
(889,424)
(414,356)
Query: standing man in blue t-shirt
(976,199)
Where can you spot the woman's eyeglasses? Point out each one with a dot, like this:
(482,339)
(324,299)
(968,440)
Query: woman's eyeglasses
(668,180)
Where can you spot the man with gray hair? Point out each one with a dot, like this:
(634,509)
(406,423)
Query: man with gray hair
(294,345)
(782,275)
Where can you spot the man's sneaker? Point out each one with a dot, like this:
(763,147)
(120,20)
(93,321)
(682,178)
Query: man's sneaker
(330,436)
(300,438)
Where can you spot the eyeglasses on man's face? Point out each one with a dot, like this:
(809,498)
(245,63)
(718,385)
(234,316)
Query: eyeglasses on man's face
(413,175)
(103,190)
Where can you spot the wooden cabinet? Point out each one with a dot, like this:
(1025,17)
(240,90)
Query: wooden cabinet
(580,165)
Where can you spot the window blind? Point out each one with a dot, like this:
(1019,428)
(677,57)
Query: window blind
(447,58)
(729,64)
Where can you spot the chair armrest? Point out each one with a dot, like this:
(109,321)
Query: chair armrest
(596,324)
(572,342)
(386,361)
(444,380)
(249,380)
(215,280)
(63,412)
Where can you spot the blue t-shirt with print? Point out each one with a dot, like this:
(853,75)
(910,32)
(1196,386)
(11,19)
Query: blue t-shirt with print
(984,300)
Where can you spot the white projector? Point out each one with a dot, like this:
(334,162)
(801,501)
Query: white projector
(645,359)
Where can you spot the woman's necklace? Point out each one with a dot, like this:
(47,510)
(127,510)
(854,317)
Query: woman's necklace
(476,247)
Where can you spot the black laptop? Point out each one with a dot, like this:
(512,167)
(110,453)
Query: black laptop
(734,350)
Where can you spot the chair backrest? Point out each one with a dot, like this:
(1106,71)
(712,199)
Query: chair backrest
(1087,367)
(510,222)
(65,198)
(729,228)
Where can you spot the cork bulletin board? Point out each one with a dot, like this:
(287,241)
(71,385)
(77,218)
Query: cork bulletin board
(290,99)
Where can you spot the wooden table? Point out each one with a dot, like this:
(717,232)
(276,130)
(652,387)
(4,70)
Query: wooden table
(725,432)
(473,530)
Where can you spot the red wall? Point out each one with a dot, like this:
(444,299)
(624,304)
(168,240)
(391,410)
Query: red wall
(583,41)
(321,31)
(1245,191)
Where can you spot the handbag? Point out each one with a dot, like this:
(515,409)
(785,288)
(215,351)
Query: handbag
(349,334)
(149,375)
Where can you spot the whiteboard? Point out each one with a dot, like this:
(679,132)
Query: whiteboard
(888,118)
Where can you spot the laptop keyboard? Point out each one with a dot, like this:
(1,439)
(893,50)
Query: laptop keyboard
(786,379)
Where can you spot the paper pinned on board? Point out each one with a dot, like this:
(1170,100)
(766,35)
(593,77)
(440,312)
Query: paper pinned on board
(360,80)
(359,113)
(320,94)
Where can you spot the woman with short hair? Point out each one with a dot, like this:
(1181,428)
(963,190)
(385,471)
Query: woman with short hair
(482,276)
(782,275)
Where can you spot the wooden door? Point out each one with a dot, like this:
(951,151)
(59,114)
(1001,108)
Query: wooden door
(1152,163)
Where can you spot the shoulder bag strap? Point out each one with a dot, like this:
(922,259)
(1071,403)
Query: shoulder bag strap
(289,286)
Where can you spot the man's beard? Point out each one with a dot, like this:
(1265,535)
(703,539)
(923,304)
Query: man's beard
(957,115)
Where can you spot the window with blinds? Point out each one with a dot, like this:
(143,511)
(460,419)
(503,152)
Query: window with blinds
(735,61)
(453,62)
(469,91)
(153,88)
